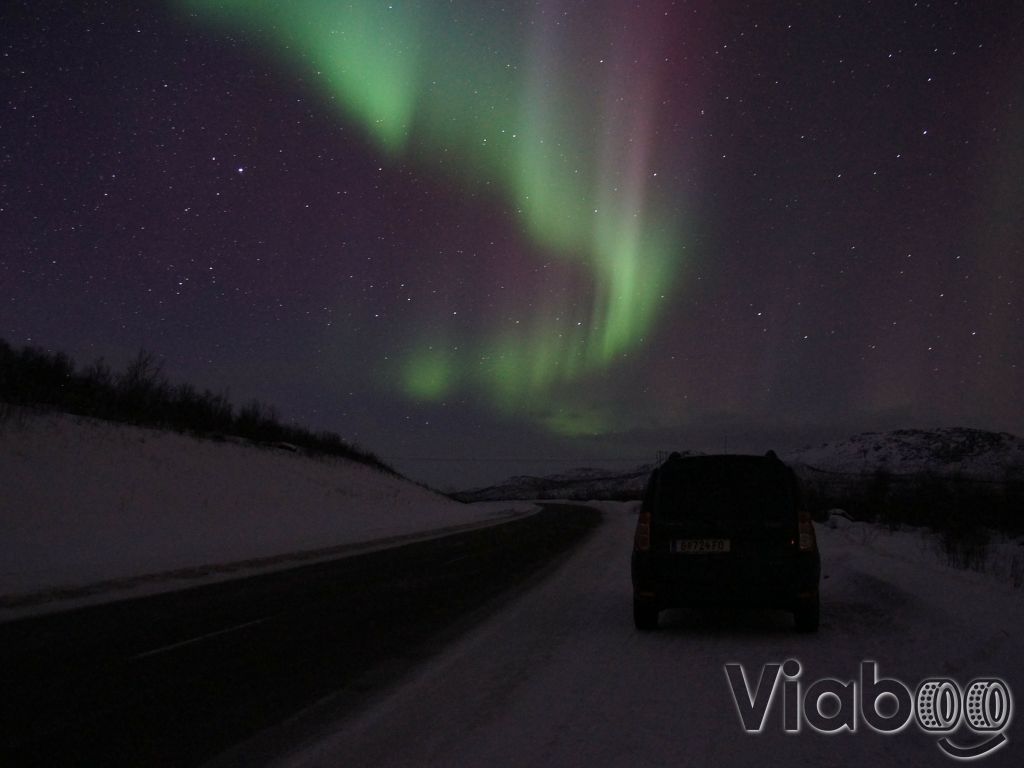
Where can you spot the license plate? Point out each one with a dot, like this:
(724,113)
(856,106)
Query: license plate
(700,546)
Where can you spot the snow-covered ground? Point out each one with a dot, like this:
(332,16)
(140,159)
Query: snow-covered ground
(1000,558)
(561,678)
(92,510)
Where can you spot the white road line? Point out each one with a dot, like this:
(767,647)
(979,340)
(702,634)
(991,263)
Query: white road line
(183,643)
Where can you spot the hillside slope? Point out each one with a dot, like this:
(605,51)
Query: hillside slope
(972,453)
(88,502)
(576,485)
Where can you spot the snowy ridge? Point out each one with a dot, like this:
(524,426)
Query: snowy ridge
(972,453)
(94,507)
(581,484)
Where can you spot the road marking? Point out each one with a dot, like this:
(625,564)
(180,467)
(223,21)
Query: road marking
(174,646)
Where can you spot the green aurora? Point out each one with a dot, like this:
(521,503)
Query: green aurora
(563,130)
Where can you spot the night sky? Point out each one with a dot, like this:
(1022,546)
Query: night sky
(484,238)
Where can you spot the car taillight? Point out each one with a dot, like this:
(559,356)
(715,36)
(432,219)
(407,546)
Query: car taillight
(642,539)
(807,540)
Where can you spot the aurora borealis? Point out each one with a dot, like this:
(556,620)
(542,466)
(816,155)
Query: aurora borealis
(509,102)
(474,236)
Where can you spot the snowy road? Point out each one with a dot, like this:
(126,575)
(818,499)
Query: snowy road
(561,678)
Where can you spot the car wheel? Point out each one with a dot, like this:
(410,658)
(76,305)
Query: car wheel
(807,614)
(645,615)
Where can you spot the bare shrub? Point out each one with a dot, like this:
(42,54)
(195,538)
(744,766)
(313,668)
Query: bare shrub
(966,547)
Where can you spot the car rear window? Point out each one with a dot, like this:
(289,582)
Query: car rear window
(728,494)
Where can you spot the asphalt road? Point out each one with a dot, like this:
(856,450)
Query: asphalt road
(175,679)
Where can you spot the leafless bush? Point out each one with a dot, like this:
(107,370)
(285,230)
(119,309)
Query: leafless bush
(966,548)
(1017,570)
(141,394)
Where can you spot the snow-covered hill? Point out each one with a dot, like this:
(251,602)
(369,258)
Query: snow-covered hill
(88,506)
(971,453)
(581,484)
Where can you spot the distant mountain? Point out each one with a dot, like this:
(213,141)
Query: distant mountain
(973,453)
(970,453)
(581,484)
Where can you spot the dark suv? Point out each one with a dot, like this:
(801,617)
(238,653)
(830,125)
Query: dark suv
(725,529)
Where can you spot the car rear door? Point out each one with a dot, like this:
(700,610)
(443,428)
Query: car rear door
(726,529)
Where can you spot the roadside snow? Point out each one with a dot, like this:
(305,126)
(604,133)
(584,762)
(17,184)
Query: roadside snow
(560,677)
(1001,567)
(88,507)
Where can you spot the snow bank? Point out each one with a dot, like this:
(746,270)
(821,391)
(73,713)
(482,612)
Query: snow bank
(1001,561)
(86,502)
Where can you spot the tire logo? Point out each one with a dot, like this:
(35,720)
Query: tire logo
(938,705)
(988,705)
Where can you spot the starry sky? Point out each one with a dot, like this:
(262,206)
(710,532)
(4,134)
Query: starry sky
(482,238)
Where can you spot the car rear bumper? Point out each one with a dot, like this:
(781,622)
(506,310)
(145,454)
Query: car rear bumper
(669,580)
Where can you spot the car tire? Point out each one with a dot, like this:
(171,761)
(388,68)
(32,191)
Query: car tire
(645,616)
(807,614)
